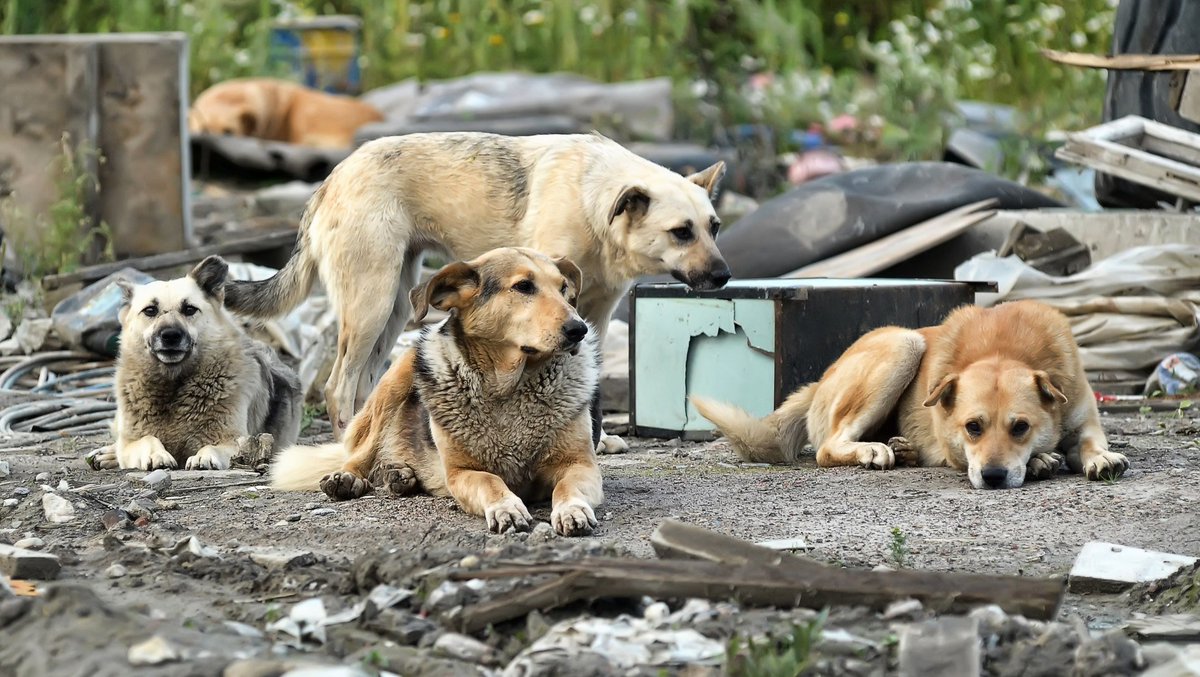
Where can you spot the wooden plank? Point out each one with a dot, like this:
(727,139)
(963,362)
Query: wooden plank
(1134,165)
(1137,62)
(899,246)
(677,540)
(757,584)
(1185,95)
(245,245)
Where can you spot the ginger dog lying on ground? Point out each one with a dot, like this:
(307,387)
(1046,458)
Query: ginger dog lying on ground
(278,110)
(1000,393)
(490,406)
(191,386)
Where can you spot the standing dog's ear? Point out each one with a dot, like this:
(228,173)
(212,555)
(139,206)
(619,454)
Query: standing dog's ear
(709,179)
(943,392)
(1047,389)
(633,201)
(574,278)
(210,275)
(126,288)
(451,287)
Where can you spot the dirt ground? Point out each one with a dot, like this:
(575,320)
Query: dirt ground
(258,553)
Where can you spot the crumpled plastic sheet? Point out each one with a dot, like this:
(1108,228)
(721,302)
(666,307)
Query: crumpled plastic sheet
(1127,312)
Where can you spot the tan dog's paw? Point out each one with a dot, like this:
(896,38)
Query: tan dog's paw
(1043,466)
(146,454)
(573,518)
(209,458)
(507,514)
(904,452)
(343,486)
(1107,465)
(611,444)
(875,456)
(400,480)
(104,458)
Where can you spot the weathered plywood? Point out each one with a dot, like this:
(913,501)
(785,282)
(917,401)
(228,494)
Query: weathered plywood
(124,95)
(1140,150)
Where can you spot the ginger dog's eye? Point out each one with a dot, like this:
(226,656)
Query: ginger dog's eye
(1019,428)
(150,311)
(974,429)
(525,287)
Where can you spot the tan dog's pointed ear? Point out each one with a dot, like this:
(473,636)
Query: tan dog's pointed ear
(451,287)
(710,179)
(210,275)
(126,288)
(1047,389)
(943,392)
(574,278)
(633,201)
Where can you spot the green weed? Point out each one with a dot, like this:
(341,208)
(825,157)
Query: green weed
(785,657)
(899,547)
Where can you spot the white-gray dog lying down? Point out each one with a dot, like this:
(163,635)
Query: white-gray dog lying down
(190,383)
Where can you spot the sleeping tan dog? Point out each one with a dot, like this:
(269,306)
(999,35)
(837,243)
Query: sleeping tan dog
(278,110)
(491,406)
(1000,393)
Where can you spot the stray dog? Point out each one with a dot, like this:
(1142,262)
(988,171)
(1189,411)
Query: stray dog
(581,197)
(1000,393)
(490,406)
(278,110)
(190,385)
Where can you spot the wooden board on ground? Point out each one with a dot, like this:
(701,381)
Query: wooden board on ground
(1142,151)
(901,245)
(1126,62)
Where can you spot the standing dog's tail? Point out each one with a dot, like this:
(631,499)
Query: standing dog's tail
(285,289)
(301,468)
(776,438)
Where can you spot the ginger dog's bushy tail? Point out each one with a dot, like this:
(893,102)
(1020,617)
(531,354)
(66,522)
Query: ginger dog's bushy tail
(776,438)
(301,468)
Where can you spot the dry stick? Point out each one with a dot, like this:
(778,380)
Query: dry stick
(202,487)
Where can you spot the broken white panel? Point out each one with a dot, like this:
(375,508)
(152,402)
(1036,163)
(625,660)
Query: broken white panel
(1108,567)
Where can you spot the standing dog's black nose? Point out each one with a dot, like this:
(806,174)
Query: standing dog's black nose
(994,478)
(171,336)
(575,330)
(720,276)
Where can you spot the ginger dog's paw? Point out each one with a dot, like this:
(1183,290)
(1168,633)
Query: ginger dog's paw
(611,444)
(1043,466)
(344,486)
(1106,465)
(903,451)
(208,458)
(875,456)
(400,479)
(508,514)
(574,518)
(104,458)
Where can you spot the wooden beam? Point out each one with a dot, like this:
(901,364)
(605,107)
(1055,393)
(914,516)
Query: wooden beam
(1126,62)
(244,245)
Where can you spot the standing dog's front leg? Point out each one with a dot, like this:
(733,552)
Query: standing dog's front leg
(578,489)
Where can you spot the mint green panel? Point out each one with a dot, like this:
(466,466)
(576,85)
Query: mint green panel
(715,347)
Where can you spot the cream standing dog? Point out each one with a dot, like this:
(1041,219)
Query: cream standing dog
(191,386)
(1000,393)
(490,406)
(582,197)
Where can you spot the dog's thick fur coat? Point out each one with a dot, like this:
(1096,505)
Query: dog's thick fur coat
(279,110)
(190,385)
(581,197)
(490,406)
(999,393)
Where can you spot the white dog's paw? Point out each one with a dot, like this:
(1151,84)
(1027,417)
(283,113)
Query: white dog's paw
(104,458)
(147,453)
(1043,466)
(1107,465)
(611,444)
(875,456)
(508,514)
(209,458)
(573,518)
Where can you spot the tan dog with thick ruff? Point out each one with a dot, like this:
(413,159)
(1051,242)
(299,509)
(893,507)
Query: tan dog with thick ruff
(1000,393)
(278,110)
(581,197)
(490,406)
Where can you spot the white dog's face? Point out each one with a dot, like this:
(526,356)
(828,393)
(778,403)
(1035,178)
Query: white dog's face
(170,319)
(670,222)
